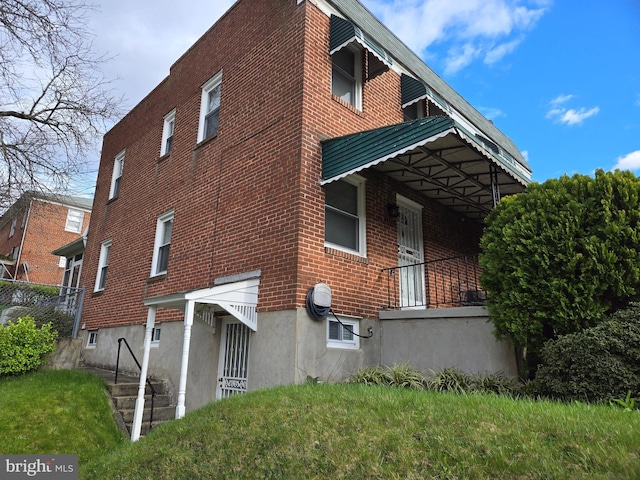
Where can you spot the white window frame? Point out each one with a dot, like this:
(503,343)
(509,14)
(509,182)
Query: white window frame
(155,336)
(75,219)
(168,131)
(116,176)
(212,83)
(352,324)
(92,339)
(357,74)
(160,228)
(12,230)
(103,265)
(359,183)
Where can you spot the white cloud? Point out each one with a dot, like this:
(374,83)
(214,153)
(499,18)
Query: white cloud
(498,52)
(459,58)
(560,99)
(575,117)
(569,116)
(487,29)
(630,161)
(491,112)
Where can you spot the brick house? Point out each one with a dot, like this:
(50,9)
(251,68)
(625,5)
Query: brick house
(33,227)
(295,145)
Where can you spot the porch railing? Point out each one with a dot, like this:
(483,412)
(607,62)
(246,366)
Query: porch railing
(448,282)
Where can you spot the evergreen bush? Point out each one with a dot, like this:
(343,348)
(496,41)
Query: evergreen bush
(597,364)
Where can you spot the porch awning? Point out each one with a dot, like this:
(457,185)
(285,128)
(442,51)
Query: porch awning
(434,156)
(239,299)
(343,33)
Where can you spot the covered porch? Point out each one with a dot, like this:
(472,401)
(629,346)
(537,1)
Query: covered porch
(449,163)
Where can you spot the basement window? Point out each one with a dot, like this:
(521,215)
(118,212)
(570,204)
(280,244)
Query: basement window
(343,333)
(92,341)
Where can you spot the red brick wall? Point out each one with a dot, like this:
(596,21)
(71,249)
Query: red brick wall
(250,198)
(45,232)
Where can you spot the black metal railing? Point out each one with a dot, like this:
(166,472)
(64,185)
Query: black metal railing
(115,381)
(448,282)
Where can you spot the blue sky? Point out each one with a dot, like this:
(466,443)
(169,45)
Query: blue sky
(560,78)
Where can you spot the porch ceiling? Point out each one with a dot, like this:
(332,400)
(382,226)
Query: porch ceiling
(434,156)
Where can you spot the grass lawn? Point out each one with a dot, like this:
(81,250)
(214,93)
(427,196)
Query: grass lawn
(57,411)
(364,432)
(324,432)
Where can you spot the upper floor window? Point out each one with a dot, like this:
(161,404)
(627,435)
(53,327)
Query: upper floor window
(103,266)
(346,76)
(118,166)
(162,244)
(12,230)
(210,108)
(74,220)
(167,133)
(414,111)
(344,215)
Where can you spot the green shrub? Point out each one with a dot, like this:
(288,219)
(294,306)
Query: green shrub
(597,364)
(61,322)
(559,257)
(23,346)
(450,380)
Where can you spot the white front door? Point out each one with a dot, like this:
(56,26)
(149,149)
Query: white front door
(234,359)
(410,254)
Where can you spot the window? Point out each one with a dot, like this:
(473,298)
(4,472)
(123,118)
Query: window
(12,230)
(344,220)
(118,166)
(74,220)
(210,108)
(346,76)
(341,335)
(103,265)
(167,133)
(414,111)
(92,341)
(155,337)
(162,244)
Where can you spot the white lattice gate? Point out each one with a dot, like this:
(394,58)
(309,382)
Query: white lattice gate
(234,359)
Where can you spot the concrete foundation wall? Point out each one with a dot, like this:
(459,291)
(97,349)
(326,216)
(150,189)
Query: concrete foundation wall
(440,338)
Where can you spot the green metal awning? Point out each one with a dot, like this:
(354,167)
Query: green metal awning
(343,33)
(434,156)
(412,90)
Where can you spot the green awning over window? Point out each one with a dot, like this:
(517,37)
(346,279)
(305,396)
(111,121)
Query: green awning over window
(344,33)
(412,90)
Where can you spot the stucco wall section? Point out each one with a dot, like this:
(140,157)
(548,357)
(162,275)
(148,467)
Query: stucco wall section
(442,338)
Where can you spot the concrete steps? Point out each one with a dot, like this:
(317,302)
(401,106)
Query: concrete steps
(123,398)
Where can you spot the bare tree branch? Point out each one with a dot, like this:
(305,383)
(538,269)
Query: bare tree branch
(54,103)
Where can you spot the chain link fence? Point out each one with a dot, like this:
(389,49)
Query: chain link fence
(62,306)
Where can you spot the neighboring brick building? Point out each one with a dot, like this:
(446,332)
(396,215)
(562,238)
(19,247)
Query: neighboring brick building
(33,227)
(296,142)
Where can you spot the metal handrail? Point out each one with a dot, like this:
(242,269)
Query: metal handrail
(447,282)
(115,381)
